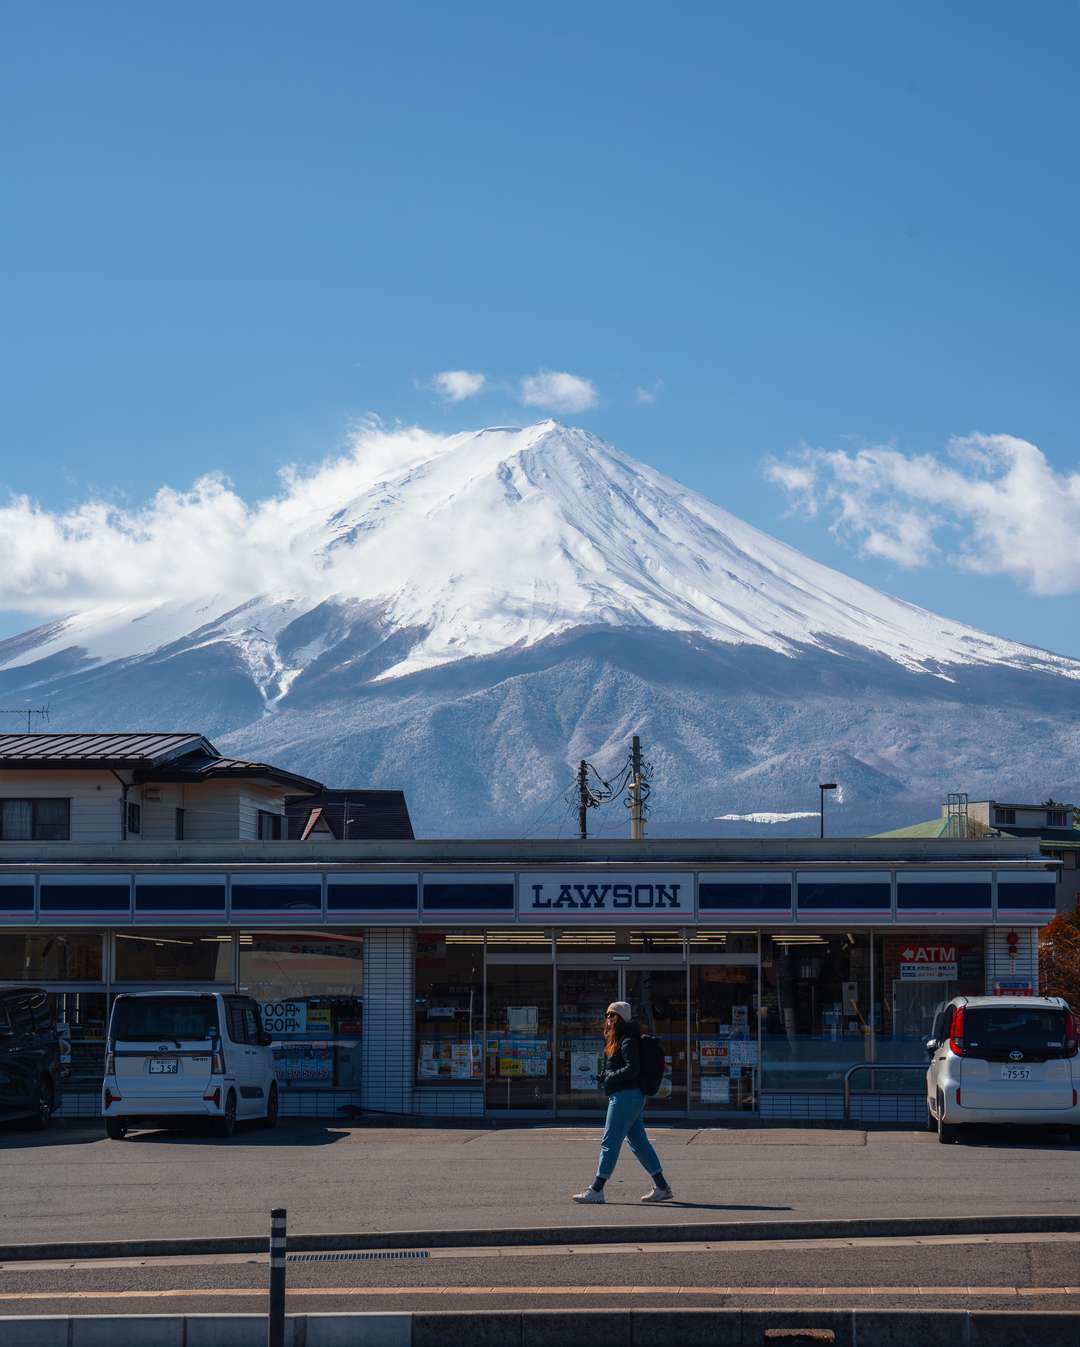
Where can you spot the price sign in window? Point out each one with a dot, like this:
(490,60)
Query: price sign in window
(284,1017)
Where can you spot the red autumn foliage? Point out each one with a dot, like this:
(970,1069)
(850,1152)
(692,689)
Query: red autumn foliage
(1059,958)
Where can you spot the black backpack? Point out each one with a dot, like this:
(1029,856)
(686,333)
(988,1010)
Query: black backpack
(652,1064)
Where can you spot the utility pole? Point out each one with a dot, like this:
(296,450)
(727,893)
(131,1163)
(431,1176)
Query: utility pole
(583,799)
(637,812)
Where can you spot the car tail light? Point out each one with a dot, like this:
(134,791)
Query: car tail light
(111,1098)
(956,1034)
(213,1096)
(1070,1045)
(217,1063)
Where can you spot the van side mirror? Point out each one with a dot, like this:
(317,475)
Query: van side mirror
(265,1040)
(932,1046)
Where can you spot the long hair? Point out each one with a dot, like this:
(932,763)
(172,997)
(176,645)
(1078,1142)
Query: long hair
(613,1032)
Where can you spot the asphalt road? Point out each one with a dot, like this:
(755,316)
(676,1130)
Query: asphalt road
(993,1272)
(69,1184)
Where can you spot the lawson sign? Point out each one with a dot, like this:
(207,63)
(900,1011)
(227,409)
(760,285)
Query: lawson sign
(637,897)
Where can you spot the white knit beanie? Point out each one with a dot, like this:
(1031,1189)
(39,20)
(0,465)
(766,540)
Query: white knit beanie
(621,1008)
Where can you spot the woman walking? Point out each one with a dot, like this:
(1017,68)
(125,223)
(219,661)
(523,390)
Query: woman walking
(620,1080)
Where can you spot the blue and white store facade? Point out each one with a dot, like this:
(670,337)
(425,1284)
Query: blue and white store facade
(470,978)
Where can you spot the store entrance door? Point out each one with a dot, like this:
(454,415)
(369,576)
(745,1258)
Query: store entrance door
(584,994)
(657,999)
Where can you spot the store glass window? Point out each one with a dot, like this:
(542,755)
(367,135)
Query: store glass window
(526,940)
(519,1048)
(174,956)
(915,974)
(309,985)
(725,1069)
(815,1008)
(50,956)
(80,1018)
(449,1007)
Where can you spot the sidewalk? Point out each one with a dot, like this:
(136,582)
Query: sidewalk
(74,1184)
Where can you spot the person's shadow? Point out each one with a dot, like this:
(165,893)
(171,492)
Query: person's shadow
(701,1206)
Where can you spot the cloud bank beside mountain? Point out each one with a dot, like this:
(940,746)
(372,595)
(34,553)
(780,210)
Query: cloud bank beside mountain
(994,506)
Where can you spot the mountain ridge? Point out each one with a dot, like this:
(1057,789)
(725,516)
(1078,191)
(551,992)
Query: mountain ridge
(531,596)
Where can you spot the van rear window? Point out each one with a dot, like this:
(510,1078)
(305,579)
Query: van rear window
(140,1018)
(993,1032)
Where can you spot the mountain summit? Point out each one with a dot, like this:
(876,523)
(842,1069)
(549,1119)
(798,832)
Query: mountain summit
(539,576)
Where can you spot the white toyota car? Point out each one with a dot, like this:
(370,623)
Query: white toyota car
(176,1057)
(1002,1059)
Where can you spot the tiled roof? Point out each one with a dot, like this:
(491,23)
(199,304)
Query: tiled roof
(131,748)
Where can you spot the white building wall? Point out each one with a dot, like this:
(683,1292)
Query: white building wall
(95,798)
(212,812)
(159,806)
(253,798)
(389,1019)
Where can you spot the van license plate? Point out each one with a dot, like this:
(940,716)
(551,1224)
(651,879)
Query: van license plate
(164,1066)
(1016,1073)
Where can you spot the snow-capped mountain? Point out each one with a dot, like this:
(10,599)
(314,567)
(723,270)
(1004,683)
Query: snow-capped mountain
(540,596)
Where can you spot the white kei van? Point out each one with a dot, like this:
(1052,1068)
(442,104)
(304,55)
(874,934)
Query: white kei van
(1002,1060)
(179,1056)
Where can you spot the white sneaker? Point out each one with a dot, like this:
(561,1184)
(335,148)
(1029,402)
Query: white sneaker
(590,1195)
(658,1195)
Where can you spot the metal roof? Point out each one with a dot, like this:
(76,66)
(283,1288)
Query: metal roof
(371,814)
(203,766)
(128,749)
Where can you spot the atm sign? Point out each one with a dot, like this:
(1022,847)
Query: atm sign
(928,963)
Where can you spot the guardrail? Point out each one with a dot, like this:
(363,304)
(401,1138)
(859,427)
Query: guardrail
(875,1066)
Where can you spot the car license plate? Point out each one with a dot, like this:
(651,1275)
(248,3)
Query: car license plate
(1016,1073)
(164,1066)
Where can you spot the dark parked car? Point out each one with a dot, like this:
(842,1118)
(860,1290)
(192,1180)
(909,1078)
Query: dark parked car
(30,1068)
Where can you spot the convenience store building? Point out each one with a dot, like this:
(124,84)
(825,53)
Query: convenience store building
(469,978)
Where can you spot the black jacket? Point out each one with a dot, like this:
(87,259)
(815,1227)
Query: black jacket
(622,1070)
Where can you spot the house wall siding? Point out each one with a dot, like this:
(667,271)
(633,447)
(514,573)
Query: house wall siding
(251,800)
(95,798)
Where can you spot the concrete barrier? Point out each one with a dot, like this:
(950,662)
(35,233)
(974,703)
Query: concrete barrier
(930,1327)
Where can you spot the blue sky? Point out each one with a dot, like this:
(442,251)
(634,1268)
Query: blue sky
(229,232)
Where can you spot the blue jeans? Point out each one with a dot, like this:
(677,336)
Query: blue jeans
(625,1122)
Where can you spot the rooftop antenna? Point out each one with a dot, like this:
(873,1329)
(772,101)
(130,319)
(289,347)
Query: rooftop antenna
(957,823)
(29,712)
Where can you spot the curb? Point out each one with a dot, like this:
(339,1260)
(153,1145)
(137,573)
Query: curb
(559,1328)
(720,1231)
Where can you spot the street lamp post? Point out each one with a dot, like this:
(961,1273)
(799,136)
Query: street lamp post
(823,786)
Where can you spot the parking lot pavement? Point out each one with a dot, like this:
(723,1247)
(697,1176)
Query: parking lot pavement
(986,1273)
(74,1184)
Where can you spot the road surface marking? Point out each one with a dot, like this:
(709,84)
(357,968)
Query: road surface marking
(259,1292)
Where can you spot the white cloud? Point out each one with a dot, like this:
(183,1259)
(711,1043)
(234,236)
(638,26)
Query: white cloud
(558,391)
(456,385)
(993,505)
(205,540)
(647,394)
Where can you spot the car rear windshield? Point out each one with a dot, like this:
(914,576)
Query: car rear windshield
(993,1032)
(173,1018)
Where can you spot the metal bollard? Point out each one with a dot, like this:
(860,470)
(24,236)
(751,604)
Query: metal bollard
(275,1324)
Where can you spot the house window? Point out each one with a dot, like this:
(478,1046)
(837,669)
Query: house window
(1055,818)
(179,825)
(134,819)
(35,820)
(269,826)
(1004,817)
